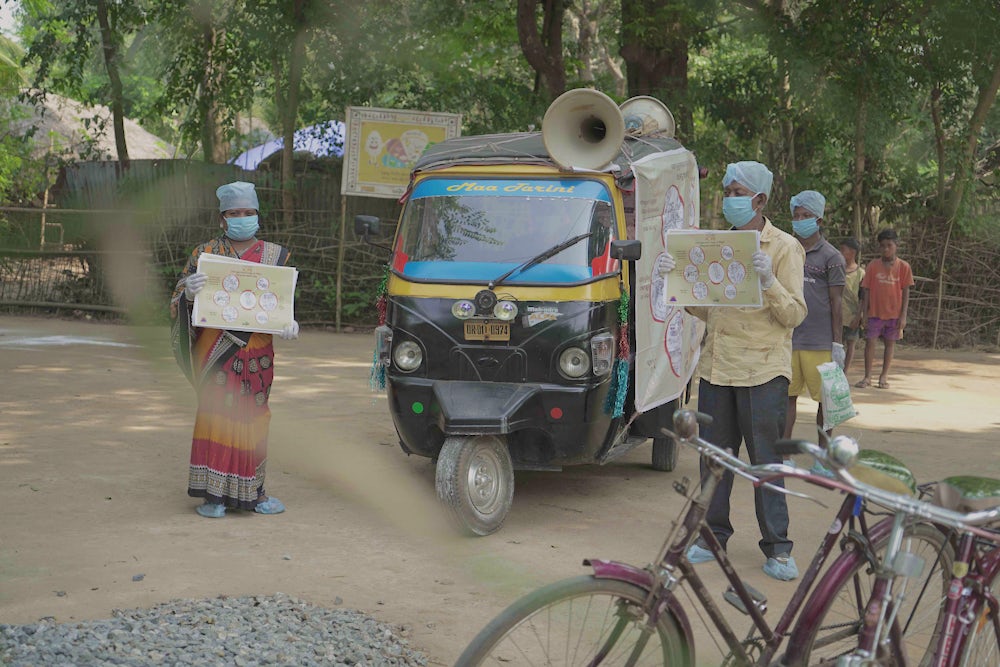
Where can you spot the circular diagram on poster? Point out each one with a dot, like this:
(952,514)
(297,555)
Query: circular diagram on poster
(696,255)
(716,273)
(263,283)
(700,291)
(268,301)
(262,317)
(229,313)
(737,273)
(248,299)
(657,295)
(727,252)
(730,292)
(221,298)
(230,283)
(691,273)
(674,342)
(673,212)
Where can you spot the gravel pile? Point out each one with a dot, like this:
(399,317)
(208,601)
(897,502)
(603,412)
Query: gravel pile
(246,631)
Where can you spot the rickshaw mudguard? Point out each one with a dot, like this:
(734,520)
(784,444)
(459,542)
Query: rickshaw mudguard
(481,407)
(610,569)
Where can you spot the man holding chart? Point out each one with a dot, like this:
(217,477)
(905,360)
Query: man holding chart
(746,364)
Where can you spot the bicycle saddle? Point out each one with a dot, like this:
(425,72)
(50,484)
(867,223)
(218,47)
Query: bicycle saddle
(885,472)
(967,493)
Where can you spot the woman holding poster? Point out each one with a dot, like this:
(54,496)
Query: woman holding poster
(231,371)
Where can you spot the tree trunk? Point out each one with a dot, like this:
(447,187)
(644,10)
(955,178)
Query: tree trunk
(543,50)
(656,61)
(290,112)
(213,144)
(111,64)
(857,181)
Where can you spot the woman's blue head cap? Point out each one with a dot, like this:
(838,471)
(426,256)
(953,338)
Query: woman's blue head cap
(239,194)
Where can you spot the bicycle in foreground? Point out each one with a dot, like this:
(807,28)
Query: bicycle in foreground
(967,631)
(621,614)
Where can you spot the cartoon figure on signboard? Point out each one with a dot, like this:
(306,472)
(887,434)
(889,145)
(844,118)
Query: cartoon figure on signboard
(414,143)
(373,146)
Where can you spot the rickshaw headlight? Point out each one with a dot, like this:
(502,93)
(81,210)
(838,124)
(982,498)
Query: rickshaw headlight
(463,309)
(574,362)
(505,310)
(408,356)
(602,352)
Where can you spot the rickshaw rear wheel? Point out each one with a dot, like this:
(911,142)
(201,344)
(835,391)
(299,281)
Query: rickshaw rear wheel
(664,454)
(475,481)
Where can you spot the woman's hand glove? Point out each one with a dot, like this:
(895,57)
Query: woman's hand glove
(291,331)
(194,284)
(839,354)
(762,265)
(665,263)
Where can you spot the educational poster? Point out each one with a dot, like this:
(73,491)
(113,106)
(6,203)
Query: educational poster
(714,268)
(383,144)
(244,296)
(668,340)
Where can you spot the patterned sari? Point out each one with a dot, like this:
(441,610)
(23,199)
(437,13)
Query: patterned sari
(232,372)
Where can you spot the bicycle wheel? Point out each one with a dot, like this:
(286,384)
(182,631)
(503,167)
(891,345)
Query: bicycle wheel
(838,602)
(579,621)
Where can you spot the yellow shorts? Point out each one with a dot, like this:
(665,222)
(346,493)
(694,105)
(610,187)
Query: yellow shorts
(804,373)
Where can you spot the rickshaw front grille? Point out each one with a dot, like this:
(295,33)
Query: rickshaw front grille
(487,364)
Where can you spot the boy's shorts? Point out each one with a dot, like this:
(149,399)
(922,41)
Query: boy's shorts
(885,329)
(852,334)
(804,373)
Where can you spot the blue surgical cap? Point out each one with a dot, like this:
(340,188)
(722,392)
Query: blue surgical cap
(237,195)
(811,201)
(750,174)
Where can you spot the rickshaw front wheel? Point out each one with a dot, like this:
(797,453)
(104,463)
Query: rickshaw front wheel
(664,454)
(475,481)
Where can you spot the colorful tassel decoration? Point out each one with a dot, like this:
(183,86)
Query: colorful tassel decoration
(615,401)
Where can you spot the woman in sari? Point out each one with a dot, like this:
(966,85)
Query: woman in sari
(231,371)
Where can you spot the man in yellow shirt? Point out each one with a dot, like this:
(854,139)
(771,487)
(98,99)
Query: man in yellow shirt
(746,365)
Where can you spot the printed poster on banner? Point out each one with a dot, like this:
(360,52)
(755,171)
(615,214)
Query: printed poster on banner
(383,145)
(668,340)
(244,296)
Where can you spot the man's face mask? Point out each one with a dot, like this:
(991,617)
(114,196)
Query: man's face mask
(738,211)
(242,229)
(805,228)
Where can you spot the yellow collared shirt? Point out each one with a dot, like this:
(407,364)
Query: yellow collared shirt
(746,347)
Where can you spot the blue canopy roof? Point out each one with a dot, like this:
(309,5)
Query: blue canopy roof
(322,140)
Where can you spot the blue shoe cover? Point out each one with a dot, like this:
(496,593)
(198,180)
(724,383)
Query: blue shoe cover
(211,510)
(781,567)
(699,554)
(270,506)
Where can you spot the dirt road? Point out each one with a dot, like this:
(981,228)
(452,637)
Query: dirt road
(95,425)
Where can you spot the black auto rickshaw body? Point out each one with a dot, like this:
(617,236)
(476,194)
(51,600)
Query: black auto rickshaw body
(505,299)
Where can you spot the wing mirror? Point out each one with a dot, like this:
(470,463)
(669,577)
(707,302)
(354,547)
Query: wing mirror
(626,250)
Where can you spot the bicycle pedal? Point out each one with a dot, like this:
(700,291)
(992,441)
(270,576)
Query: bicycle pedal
(681,487)
(759,599)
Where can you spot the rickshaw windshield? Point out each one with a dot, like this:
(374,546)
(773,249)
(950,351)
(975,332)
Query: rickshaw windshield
(475,230)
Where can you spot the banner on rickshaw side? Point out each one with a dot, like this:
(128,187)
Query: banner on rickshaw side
(382,146)
(668,340)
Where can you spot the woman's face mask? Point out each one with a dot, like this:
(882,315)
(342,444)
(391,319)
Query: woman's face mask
(738,211)
(242,229)
(805,228)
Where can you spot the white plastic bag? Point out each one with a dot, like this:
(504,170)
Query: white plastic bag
(836,399)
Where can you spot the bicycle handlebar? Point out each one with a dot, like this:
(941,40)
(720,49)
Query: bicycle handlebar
(760,475)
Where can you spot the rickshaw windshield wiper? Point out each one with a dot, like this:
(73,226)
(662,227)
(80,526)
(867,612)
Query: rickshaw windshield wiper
(541,257)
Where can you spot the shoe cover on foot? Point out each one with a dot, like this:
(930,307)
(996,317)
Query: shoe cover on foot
(699,554)
(270,506)
(211,510)
(781,568)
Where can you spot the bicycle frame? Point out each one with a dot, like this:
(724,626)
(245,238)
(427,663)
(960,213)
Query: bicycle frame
(661,578)
(969,600)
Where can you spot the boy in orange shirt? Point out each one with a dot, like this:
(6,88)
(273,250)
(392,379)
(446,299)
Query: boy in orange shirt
(885,296)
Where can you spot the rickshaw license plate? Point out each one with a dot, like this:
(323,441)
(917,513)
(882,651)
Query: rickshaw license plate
(487,330)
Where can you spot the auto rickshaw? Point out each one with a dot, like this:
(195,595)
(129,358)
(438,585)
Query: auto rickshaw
(506,305)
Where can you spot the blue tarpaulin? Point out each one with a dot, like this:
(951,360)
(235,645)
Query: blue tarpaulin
(322,140)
